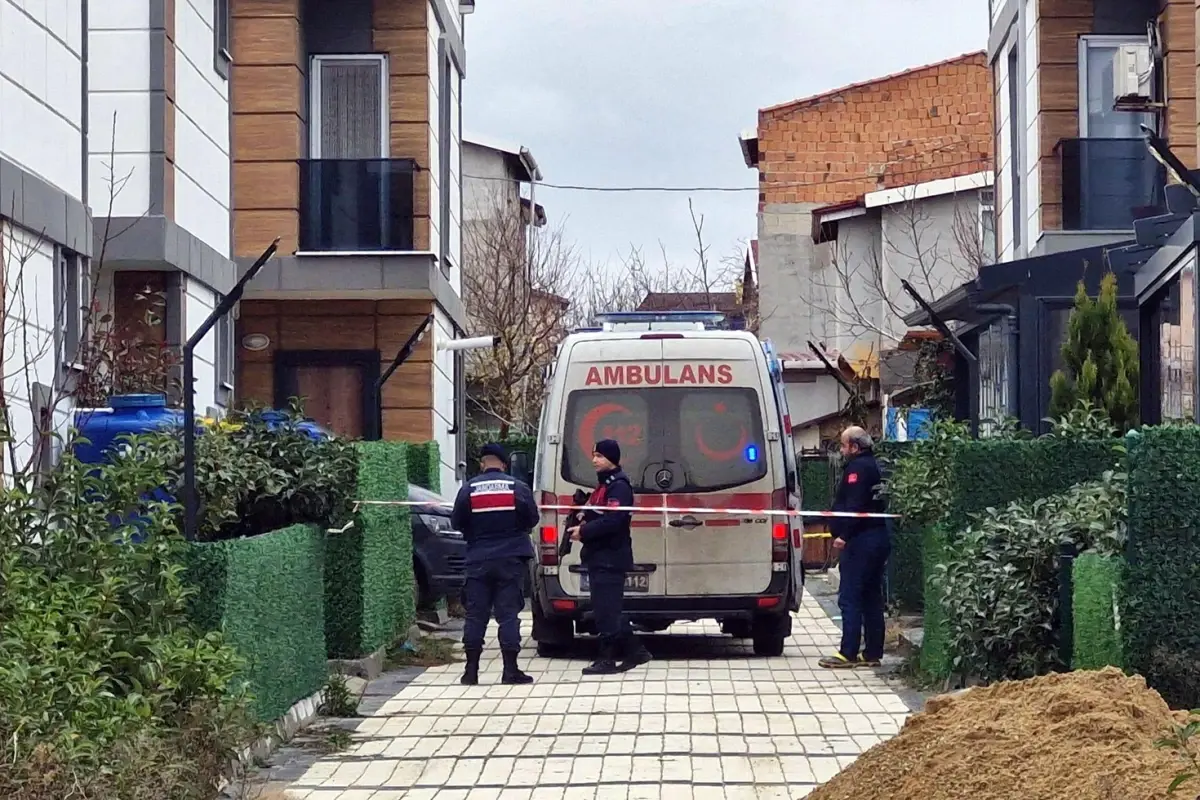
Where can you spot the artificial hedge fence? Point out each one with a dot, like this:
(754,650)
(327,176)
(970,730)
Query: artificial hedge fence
(991,473)
(259,591)
(1160,590)
(425,466)
(1095,581)
(370,589)
(816,483)
(936,658)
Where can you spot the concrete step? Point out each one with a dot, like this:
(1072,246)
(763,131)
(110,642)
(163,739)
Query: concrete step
(910,641)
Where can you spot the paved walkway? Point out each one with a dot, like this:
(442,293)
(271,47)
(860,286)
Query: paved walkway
(704,721)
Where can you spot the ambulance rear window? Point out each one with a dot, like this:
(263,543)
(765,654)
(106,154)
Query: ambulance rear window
(711,438)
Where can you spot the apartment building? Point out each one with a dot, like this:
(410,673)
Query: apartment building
(861,187)
(346,144)
(45,225)
(1077,82)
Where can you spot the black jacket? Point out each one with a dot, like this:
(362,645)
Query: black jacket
(607,544)
(858,492)
(495,513)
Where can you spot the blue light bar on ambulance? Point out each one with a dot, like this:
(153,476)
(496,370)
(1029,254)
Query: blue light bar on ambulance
(660,320)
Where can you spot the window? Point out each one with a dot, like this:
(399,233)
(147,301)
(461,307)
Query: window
(445,140)
(349,107)
(222,46)
(987,225)
(75,298)
(1015,139)
(710,438)
(1097,117)
(225,353)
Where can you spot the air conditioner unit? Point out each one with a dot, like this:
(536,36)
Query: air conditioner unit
(1133,75)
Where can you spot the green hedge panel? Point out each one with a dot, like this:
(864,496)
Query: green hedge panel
(1161,587)
(936,659)
(370,589)
(425,466)
(1097,643)
(906,569)
(259,591)
(816,484)
(991,473)
(514,443)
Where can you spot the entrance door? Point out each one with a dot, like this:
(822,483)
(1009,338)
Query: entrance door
(337,388)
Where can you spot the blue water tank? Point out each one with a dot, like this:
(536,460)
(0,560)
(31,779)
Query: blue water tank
(128,414)
(920,420)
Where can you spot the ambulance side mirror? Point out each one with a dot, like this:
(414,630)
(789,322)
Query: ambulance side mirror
(520,467)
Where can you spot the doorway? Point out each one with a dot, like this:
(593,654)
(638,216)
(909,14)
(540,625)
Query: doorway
(338,388)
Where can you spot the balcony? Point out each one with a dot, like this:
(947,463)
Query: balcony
(1108,183)
(356,206)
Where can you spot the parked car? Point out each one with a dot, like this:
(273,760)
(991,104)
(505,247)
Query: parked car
(439,551)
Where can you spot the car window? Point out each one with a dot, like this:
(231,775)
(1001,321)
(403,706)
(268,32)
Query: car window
(714,434)
(418,494)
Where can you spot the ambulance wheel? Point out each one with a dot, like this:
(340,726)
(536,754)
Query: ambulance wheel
(553,636)
(770,634)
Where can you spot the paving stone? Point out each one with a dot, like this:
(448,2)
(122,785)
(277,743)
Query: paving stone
(705,721)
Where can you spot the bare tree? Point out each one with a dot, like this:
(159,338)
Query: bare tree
(522,295)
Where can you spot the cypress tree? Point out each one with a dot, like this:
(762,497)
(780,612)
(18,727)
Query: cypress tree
(1100,359)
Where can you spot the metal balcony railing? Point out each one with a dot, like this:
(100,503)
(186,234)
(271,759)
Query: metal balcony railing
(1108,183)
(352,205)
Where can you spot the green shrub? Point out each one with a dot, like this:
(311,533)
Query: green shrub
(936,660)
(999,582)
(1161,587)
(251,479)
(370,590)
(106,689)
(1096,580)
(425,466)
(260,592)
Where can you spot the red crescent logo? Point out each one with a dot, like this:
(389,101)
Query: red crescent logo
(722,455)
(587,428)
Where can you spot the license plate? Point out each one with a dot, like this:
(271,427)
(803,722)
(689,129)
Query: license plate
(635,582)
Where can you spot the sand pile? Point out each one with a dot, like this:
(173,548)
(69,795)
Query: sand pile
(1080,735)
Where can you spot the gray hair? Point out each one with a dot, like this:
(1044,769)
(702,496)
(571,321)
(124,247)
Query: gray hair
(857,436)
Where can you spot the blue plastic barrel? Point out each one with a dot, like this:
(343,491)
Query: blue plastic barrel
(920,420)
(128,414)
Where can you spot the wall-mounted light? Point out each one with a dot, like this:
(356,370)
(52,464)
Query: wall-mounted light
(256,342)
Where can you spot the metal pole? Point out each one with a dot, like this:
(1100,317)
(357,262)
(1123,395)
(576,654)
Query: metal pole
(227,303)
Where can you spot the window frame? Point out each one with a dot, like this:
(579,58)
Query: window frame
(222,38)
(314,99)
(224,357)
(987,216)
(74,279)
(1088,42)
(1016,141)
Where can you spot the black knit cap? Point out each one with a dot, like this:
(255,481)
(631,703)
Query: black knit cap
(610,450)
(494,450)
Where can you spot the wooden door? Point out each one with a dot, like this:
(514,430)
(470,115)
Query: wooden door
(333,396)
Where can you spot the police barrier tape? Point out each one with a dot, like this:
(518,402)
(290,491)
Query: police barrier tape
(770,512)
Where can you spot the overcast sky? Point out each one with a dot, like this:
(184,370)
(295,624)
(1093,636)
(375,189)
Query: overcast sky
(655,92)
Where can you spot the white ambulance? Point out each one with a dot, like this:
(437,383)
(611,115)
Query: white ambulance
(701,417)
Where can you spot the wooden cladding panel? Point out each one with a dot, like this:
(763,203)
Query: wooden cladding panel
(267,41)
(267,137)
(390,14)
(252,228)
(407,398)
(271,89)
(265,8)
(1060,24)
(1178,26)
(266,185)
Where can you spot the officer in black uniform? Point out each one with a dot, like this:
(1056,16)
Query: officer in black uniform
(608,556)
(495,513)
(865,544)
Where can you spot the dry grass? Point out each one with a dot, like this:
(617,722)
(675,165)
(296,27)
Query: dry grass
(431,651)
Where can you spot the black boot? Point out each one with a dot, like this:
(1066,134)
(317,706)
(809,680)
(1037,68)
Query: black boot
(635,653)
(470,675)
(605,663)
(512,673)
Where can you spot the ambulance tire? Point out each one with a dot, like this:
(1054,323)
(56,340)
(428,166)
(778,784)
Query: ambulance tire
(770,635)
(554,637)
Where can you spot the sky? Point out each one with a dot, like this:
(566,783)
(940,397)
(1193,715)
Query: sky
(655,93)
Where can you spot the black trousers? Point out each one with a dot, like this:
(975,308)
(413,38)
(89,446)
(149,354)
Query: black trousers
(863,565)
(608,604)
(494,587)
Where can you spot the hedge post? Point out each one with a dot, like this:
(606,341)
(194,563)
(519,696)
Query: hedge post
(1066,611)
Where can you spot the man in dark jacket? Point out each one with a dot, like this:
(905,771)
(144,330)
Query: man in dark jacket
(495,513)
(608,556)
(865,545)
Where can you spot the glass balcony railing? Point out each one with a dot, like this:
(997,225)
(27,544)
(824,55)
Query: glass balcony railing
(349,205)
(1108,183)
